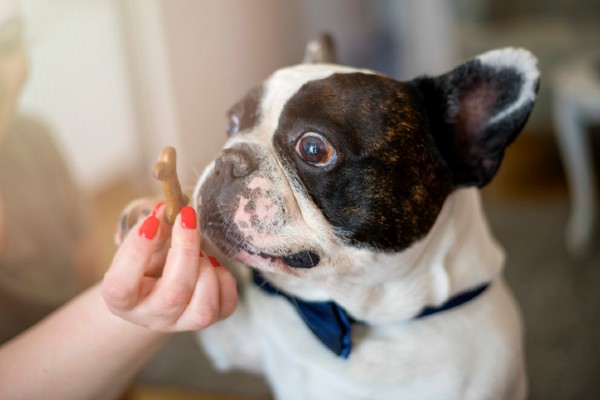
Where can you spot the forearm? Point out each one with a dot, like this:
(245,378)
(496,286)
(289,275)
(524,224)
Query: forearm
(82,351)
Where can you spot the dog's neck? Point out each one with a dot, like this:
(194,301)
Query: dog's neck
(458,253)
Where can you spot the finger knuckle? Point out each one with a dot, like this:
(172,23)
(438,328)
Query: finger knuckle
(229,306)
(229,294)
(228,279)
(174,297)
(205,316)
(117,295)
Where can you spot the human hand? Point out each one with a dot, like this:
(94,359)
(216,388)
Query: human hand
(168,289)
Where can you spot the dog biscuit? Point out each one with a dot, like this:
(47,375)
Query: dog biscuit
(165,170)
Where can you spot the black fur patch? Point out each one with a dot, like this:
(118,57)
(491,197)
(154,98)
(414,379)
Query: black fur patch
(460,105)
(389,182)
(245,114)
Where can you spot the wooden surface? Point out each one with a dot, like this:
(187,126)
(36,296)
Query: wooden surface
(158,393)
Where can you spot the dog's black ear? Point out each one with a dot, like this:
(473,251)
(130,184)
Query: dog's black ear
(476,110)
(320,50)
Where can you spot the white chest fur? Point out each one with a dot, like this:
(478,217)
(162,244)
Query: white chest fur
(471,352)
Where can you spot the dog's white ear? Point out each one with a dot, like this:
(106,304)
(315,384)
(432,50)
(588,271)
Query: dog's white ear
(476,110)
(320,50)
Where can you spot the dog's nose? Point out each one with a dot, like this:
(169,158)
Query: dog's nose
(235,163)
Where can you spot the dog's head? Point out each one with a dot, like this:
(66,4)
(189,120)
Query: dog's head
(324,159)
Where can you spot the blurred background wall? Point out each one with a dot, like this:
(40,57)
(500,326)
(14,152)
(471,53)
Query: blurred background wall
(119,79)
(80,85)
(116,80)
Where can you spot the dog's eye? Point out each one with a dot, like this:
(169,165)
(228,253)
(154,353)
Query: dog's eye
(233,126)
(315,149)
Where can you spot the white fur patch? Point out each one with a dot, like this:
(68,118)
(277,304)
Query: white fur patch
(525,64)
(286,82)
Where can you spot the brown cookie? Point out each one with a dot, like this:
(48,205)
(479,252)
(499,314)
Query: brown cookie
(165,170)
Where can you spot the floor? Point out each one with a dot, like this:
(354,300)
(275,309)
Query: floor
(527,205)
(150,392)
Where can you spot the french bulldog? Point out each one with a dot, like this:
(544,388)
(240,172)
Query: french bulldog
(347,203)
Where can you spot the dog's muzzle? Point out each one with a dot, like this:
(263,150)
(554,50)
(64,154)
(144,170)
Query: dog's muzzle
(236,210)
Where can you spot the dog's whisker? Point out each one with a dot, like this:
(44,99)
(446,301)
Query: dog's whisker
(190,166)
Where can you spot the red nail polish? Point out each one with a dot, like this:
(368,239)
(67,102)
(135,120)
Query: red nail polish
(201,253)
(188,217)
(157,207)
(214,261)
(149,227)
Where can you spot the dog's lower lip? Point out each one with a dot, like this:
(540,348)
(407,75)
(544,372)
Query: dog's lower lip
(301,259)
(256,252)
(230,241)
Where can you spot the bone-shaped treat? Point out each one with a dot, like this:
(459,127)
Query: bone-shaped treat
(165,170)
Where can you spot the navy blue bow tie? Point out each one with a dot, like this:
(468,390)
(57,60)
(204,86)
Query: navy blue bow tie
(332,325)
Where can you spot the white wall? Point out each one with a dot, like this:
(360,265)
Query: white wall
(117,80)
(79,86)
(218,50)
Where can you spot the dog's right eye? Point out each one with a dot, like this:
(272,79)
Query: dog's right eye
(233,126)
(316,150)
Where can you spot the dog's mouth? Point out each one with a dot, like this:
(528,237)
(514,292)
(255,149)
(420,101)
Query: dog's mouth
(240,216)
(230,242)
(301,259)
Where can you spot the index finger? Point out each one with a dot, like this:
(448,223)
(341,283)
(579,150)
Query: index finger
(122,281)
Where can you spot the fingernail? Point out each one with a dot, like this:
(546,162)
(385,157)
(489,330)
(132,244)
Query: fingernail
(188,217)
(157,207)
(149,227)
(214,261)
(201,253)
